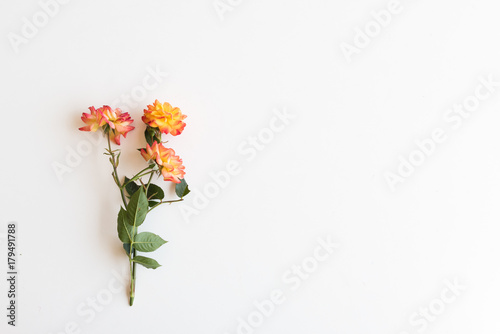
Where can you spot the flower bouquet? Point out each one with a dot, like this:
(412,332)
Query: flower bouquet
(140,197)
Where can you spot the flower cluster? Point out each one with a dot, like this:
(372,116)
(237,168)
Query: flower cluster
(115,122)
(159,118)
(164,117)
(170,165)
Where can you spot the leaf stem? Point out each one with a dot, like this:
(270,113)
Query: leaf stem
(149,182)
(163,202)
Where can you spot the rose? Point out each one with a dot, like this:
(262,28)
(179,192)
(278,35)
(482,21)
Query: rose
(114,122)
(170,165)
(164,117)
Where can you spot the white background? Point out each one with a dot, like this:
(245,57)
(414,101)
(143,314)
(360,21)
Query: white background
(322,175)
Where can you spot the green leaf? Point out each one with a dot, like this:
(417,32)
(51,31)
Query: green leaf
(149,135)
(146,262)
(125,231)
(131,187)
(155,192)
(152,135)
(126,246)
(152,203)
(148,242)
(182,189)
(149,138)
(137,208)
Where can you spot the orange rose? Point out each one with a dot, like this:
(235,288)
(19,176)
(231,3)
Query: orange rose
(164,117)
(170,165)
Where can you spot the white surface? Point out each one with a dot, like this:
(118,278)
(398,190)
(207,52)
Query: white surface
(322,175)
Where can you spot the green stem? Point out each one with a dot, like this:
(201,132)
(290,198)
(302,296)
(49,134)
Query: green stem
(133,264)
(115,172)
(121,187)
(137,176)
(163,202)
(149,182)
(132,281)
